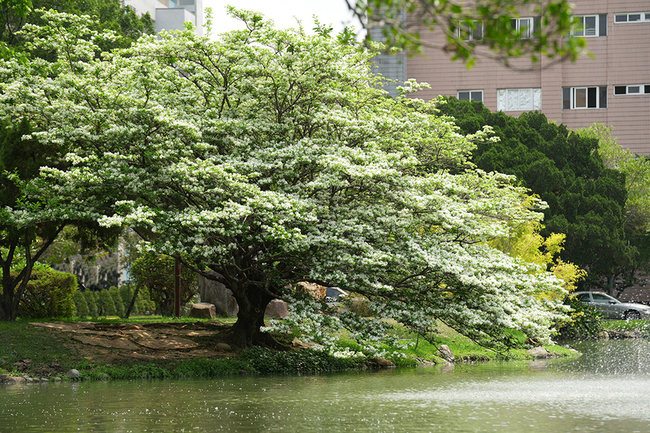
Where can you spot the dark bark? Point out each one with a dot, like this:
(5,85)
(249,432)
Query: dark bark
(246,332)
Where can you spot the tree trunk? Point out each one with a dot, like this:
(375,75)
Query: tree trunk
(246,332)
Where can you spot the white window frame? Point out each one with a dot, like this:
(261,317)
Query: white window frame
(643,17)
(469,94)
(468,34)
(529,29)
(573,97)
(582,27)
(526,99)
(644,89)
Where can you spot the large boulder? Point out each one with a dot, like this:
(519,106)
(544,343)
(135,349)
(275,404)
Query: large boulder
(316,290)
(203,310)
(277,309)
(216,293)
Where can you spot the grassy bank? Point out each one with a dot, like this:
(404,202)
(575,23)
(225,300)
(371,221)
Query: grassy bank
(39,352)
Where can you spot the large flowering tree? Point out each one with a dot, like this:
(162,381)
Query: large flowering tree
(272,157)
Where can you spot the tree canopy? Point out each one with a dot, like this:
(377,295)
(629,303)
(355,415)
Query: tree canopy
(271,157)
(586,199)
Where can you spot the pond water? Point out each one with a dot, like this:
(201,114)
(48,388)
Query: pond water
(606,390)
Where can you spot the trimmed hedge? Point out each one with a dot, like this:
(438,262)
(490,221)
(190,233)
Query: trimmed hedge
(49,293)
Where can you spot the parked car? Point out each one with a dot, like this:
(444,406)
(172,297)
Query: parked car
(612,308)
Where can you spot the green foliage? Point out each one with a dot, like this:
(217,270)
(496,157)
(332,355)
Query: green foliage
(91,301)
(207,368)
(117,300)
(80,304)
(585,321)
(267,361)
(49,294)
(586,200)
(106,305)
(155,272)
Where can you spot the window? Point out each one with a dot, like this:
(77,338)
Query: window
(632,89)
(584,97)
(471,95)
(519,99)
(473,33)
(590,26)
(634,17)
(525,26)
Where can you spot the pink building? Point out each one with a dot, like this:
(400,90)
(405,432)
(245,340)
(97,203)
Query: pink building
(613,88)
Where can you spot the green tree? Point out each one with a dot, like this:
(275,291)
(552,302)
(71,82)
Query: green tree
(81,306)
(156,273)
(117,300)
(272,159)
(636,169)
(91,301)
(551,34)
(106,303)
(586,200)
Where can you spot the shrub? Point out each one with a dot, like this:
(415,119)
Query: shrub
(120,309)
(586,321)
(106,304)
(49,293)
(91,300)
(80,304)
(267,361)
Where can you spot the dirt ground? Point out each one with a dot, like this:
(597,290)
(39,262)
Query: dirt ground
(115,343)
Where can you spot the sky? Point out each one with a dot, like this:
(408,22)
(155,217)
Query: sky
(284,13)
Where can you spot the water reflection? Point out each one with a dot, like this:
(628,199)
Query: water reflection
(603,391)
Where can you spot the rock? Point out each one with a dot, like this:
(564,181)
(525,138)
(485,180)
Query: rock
(604,335)
(203,310)
(277,309)
(381,363)
(11,380)
(56,379)
(539,352)
(216,293)
(316,290)
(74,373)
(223,347)
(446,353)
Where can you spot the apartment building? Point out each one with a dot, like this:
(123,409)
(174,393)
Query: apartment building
(613,88)
(170,14)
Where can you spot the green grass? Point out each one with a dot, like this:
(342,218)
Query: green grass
(45,351)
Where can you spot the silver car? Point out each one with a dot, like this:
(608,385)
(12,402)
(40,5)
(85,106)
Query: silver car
(612,308)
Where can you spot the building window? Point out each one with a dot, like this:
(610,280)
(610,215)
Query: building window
(519,99)
(526,27)
(589,26)
(584,97)
(632,89)
(473,33)
(471,95)
(634,17)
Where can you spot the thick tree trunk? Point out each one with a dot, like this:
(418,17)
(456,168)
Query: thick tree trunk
(246,332)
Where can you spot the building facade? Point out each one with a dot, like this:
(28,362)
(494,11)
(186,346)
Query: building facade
(170,14)
(613,88)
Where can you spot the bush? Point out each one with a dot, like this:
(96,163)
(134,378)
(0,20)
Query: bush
(586,321)
(267,361)
(120,309)
(80,304)
(106,304)
(91,300)
(49,293)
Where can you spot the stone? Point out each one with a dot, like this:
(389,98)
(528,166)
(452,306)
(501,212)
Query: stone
(539,352)
(224,347)
(6,379)
(73,373)
(446,353)
(203,310)
(277,309)
(216,293)
(316,290)
(382,363)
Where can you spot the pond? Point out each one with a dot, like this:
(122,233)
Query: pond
(606,390)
